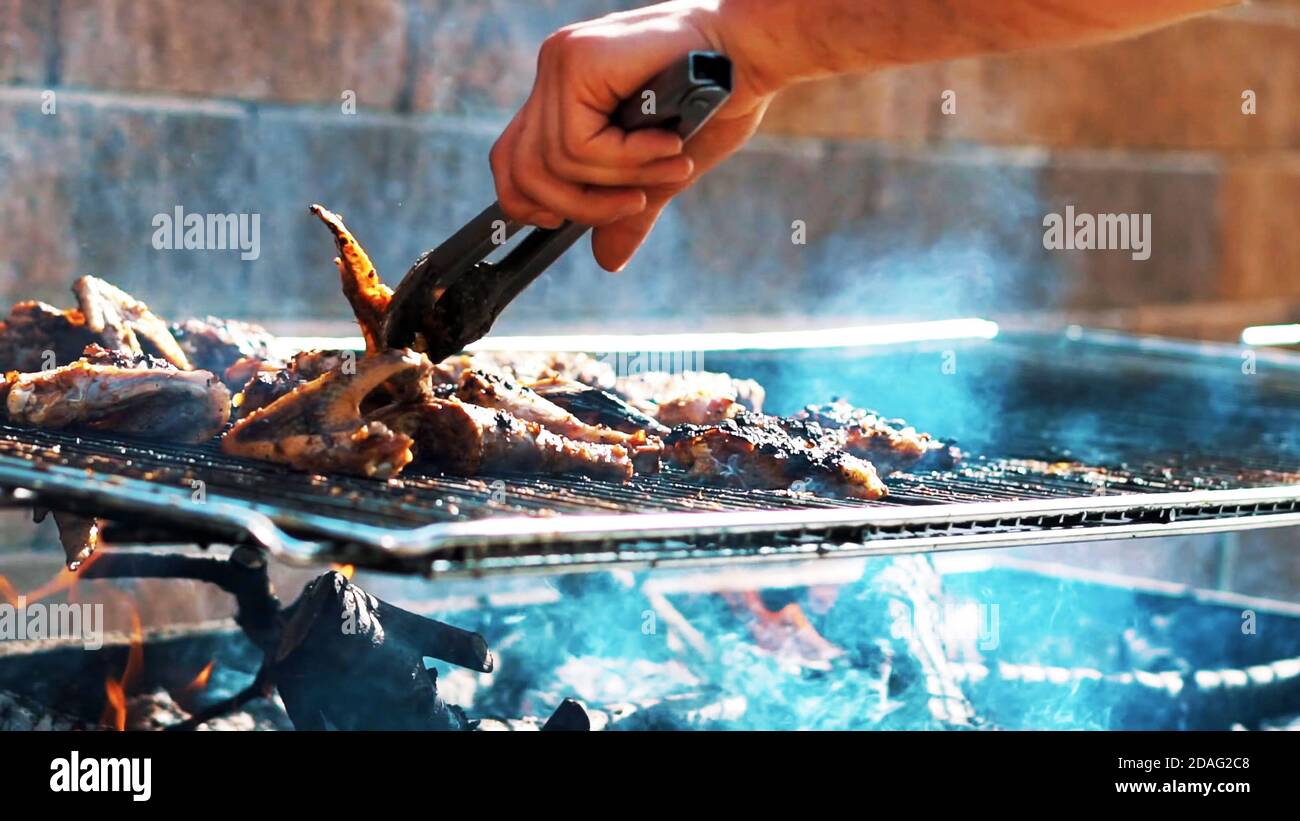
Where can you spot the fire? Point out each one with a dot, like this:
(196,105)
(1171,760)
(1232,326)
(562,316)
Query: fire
(116,689)
(65,579)
(345,570)
(785,630)
(8,592)
(201,680)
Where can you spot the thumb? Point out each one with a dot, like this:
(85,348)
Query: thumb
(615,243)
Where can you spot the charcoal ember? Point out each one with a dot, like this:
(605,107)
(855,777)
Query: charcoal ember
(18,712)
(343,663)
(155,710)
(889,622)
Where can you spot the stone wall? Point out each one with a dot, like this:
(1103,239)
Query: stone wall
(232,106)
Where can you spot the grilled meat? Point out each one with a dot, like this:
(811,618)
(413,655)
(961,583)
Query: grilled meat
(756,451)
(124,323)
(268,383)
(319,424)
(891,444)
(491,391)
(215,344)
(690,397)
(596,407)
(112,391)
(699,409)
(37,335)
(368,296)
(527,367)
(470,439)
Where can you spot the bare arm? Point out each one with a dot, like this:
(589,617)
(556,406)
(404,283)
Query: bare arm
(561,159)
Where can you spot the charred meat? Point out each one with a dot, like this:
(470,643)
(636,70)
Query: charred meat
(491,391)
(470,439)
(214,344)
(756,451)
(528,367)
(597,407)
(368,296)
(691,397)
(268,383)
(37,335)
(890,443)
(319,425)
(112,391)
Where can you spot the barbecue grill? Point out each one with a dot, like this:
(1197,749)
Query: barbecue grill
(1069,437)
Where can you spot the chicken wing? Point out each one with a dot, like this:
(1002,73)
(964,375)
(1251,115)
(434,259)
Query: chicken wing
(368,296)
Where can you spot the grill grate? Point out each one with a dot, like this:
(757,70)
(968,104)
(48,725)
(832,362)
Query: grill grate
(1038,491)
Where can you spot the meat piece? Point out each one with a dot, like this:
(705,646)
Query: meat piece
(756,451)
(110,392)
(526,367)
(123,323)
(596,407)
(242,370)
(470,439)
(269,383)
(319,425)
(38,336)
(691,397)
(491,391)
(215,344)
(368,296)
(890,443)
(698,409)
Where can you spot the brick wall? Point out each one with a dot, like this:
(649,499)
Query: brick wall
(229,105)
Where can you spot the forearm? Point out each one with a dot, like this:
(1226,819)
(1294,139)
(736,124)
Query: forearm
(787,41)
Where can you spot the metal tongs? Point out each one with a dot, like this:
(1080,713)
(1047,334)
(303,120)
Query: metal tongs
(452,295)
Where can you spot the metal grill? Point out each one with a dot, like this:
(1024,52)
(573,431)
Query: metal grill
(1038,491)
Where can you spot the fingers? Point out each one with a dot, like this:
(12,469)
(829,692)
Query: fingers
(613,245)
(516,205)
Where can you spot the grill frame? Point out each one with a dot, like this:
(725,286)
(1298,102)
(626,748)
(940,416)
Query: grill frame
(518,545)
(764,526)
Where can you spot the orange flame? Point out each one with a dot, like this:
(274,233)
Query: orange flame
(116,689)
(201,680)
(784,629)
(65,579)
(8,592)
(345,570)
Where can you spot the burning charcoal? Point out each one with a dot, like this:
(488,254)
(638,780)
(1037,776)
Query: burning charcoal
(889,622)
(20,713)
(349,661)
